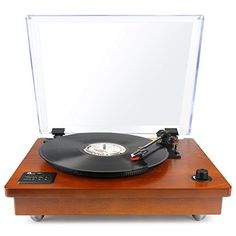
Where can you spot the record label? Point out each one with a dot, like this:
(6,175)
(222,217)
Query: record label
(105,149)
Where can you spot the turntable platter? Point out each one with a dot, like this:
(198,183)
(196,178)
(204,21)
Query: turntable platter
(100,154)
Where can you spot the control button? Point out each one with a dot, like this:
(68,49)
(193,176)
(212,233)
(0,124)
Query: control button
(201,176)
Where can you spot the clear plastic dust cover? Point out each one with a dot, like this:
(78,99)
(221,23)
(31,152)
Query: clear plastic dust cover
(116,73)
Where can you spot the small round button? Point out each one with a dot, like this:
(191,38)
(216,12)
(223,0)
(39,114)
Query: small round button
(201,176)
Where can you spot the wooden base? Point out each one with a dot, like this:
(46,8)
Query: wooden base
(166,190)
(112,206)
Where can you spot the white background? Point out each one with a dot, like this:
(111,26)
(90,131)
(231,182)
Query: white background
(213,124)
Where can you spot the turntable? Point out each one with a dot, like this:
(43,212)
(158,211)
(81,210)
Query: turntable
(114,98)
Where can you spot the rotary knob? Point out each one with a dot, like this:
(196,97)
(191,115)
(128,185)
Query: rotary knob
(201,176)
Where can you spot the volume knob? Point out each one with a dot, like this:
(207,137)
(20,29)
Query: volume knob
(201,176)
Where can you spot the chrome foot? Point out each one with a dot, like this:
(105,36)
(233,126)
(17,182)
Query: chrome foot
(198,217)
(37,218)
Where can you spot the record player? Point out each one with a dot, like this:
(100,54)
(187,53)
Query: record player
(114,95)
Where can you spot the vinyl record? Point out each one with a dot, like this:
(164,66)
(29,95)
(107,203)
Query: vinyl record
(99,154)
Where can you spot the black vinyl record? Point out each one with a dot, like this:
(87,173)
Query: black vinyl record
(72,154)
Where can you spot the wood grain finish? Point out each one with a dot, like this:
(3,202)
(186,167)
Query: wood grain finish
(168,189)
(117,206)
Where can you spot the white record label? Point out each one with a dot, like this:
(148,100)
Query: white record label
(105,149)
